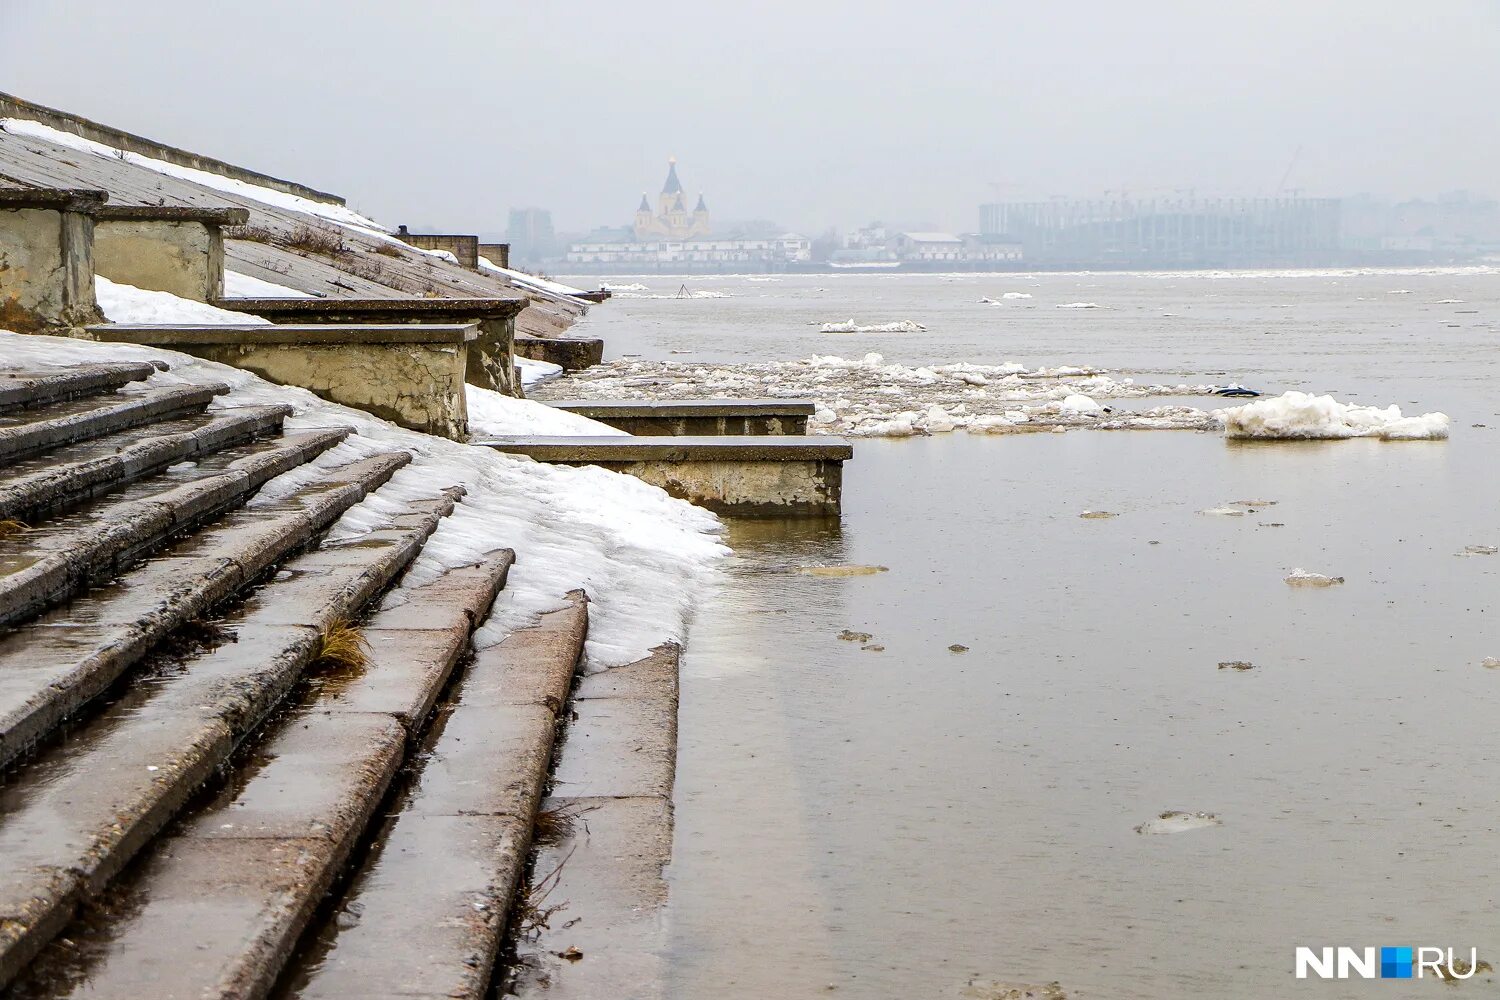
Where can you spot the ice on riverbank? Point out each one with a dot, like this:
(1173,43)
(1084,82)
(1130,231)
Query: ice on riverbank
(1301,415)
(849,326)
(869,397)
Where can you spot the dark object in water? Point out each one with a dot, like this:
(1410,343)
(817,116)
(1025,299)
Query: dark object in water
(1235,390)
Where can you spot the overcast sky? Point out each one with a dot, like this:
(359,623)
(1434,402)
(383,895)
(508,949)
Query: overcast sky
(812,113)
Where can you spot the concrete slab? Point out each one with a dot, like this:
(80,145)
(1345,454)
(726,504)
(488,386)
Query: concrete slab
(20,388)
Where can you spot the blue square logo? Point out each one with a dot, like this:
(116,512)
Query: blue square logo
(1395,963)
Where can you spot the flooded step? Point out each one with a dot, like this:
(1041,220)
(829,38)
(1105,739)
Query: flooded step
(218,907)
(22,389)
(47,564)
(74,816)
(56,424)
(613,786)
(425,914)
(51,667)
(41,485)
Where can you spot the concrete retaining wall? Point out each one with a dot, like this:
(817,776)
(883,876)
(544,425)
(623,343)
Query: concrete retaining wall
(573,353)
(496,253)
(412,376)
(465,248)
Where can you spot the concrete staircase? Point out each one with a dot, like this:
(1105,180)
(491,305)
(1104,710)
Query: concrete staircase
(193,791)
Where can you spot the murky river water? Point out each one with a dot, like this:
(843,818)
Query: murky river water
(899,823)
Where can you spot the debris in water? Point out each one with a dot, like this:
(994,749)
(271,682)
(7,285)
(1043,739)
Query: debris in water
(1179,822)
(1233,390)
(1490,661)
(1225,511)
(1253,503)
(874,648)
(1236,665)
(851,636)
(988,989)
(571,954)
(1302,578)
(1478,550)
(842,570)
(1271,524)
(958,648)
(1098,515)
(1462,970)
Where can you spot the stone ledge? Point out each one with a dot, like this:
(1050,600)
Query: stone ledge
(174,213)
(746,448)
(256,334)
(607,408)
(287,310)
(83,200)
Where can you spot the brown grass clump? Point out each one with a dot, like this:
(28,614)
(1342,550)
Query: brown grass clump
(387,250)
(10,527)
(554,825)
(342,645)
(533,915)
(314,239)
(251,234)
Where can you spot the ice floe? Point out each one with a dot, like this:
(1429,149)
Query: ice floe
(849,326)
(1078,305)
(869,397)
(1300,577)
(1294,415)
(1179,822)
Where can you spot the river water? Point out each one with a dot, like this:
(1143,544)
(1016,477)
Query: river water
(913,822)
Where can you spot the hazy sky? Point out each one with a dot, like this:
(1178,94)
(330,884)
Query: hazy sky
(813,113)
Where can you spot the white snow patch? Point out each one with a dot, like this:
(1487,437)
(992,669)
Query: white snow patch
(494,414)
(1079,404)
(642,556)
(122,303)
(525,280)
(1295,415)
(245,286)
(537,372)
(1078,305)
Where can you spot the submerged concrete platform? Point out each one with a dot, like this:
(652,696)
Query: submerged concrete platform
(742,475)
(684,417)
(572,353)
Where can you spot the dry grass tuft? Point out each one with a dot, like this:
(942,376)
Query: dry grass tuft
(314,239)
(554,825)
(533,915)
(251,234)
(387,250)
(342,645)
(10,527)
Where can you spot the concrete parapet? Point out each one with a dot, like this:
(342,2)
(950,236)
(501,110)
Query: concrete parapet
(680,418)
(744,476)
(177,249)
(496,253)
(47,259)
(573,353)
(491,355)
(465,248)
(410,375)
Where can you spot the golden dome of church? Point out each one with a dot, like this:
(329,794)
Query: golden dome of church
(672,220)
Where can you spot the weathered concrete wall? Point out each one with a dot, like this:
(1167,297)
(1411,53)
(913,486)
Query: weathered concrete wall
(573,353)
(465,248)
(709,426)
(46,270)
(185,258)
(745,488)
(419,386)
(496,253)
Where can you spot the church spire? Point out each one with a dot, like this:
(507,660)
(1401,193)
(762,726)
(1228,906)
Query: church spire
(645,205)
(673,185)
(701,207)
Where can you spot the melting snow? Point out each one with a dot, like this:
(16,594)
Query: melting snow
(129,304)
(244,286)
(642,555)
(493,414)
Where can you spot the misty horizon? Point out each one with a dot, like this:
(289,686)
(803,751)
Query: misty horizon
(823,115)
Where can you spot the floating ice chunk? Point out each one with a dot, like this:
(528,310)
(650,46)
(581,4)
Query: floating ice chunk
(842,571)
(1179,822)
(1489,661)
(1399,291)
(1078,305)
(1080,405)
(937,420)
(1300,577)
(1098,515)
(1295,415)
(972,378)
(633,286)
(1478,550)
(1016,295)
(849,326)
(1225,511)
(1254,503)
(992,989)
(1449,302)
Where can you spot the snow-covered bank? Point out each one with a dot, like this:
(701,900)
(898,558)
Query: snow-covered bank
(870,398)
(642,555)
(1302,415)
(530,281)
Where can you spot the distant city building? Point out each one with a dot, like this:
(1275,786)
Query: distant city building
(530,235)
(1169,233)
(876,246)
(671,238)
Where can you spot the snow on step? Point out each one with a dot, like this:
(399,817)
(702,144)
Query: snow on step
(56,424)
(34,388)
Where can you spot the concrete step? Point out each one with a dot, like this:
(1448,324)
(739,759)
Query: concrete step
(40,486)
(21,389)
(51,667)
(425,914)
(695,417)
(61,557)
(56,424)
(75,815)
(218,907)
